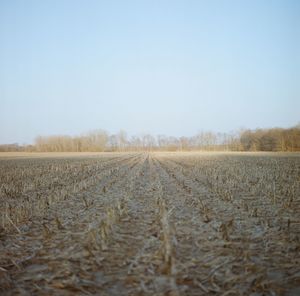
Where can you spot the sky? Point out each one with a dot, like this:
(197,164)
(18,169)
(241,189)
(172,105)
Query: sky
(160,67)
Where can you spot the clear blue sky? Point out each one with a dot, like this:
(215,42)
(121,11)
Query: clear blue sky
(164,67)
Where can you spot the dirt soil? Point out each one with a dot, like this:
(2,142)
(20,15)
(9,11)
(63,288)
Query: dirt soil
(150,224)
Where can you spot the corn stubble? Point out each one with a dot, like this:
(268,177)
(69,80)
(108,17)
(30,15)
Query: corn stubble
(150,224)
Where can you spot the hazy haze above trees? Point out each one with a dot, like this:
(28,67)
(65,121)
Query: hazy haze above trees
(156,67)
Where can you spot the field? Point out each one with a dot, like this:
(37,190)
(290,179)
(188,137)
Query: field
(150,224)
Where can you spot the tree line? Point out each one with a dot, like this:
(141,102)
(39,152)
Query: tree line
(274,139)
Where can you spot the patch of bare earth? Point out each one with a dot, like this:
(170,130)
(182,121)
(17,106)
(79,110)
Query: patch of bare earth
(150,224)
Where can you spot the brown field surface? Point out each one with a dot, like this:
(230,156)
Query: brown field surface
(150,224)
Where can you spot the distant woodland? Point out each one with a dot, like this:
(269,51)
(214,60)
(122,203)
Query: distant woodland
(274,139)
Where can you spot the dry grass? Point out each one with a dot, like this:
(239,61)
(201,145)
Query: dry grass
(150,224)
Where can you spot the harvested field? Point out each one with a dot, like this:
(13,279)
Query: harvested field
(150,224)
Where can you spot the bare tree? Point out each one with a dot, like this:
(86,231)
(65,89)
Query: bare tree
(276,139)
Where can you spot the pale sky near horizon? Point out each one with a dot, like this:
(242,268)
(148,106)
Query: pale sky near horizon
(163,67)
